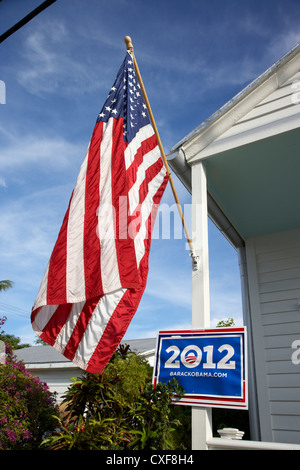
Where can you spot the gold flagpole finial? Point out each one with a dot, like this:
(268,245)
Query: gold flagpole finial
(128,43)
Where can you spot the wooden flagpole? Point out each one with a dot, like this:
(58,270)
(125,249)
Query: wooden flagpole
(129,47)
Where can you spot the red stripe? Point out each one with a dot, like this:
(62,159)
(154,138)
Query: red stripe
(156,202)
(56,323)
(56,287)
(115,330)
(93,284)
(147,145)
(136,218)
(80,327)
(150,175)
(34,314)
(120,186)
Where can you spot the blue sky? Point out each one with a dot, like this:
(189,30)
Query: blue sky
(193,56)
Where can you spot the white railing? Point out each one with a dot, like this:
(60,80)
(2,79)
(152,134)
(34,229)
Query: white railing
(217,443)
(231,439)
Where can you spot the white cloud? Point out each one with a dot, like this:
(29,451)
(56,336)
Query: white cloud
(29,227)
(283,43)
(225,296)
(40,151)
(53,65)
(2,182)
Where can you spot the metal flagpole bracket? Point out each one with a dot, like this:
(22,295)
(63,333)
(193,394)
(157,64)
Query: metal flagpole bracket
(195,261)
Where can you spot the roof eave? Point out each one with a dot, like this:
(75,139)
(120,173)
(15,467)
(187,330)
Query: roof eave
(237,107)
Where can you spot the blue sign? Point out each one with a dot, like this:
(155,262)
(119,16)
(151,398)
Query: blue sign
(211,365)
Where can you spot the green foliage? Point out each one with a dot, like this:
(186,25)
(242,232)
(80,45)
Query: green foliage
(26,407)
(153,423)
(83,434)
(14,341)
(5,337)
(181,438)
(4,285)
(40,342)
(225,323)
(119,409)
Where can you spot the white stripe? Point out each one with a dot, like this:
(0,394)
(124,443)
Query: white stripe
(75,234)
(67,330)
(43,316)
(41,298)
(146,211)
(133,195)
(130,152)
(96,326)
(106,215)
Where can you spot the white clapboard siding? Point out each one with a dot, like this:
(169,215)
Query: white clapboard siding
(274,281)
(278,112)
(279,105)
(58,380)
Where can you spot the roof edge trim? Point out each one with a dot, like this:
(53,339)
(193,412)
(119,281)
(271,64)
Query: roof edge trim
(271,71)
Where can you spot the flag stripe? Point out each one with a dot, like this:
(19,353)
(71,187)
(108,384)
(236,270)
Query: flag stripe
(91,243)
(106,215)
(134,191)
(114,330)
(42,315)
(96,327)
(126,263)
(56,323)
(146,146)
(147,219)
(150,174)
(139,190)
(81,320)
(41,298)
(131,150)
(74,240)
(70,323)
(56,286)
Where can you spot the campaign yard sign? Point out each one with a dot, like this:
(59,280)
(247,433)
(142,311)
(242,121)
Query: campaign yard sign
(210,365)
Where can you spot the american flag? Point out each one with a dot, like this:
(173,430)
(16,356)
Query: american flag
(98,269)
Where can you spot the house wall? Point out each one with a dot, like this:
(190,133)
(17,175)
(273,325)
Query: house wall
(274,286)
(58,380)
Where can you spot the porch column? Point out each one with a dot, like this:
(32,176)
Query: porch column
(201,417)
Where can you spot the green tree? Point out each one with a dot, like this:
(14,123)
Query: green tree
(225,323)
(40,342)
(4,285)
(14,341)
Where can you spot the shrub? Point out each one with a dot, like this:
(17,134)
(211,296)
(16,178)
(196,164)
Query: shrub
(27,406)
(119,409)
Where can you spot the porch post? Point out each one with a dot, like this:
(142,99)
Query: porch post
(201,417)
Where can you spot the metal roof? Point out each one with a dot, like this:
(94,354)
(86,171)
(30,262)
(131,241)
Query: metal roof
(48,354)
